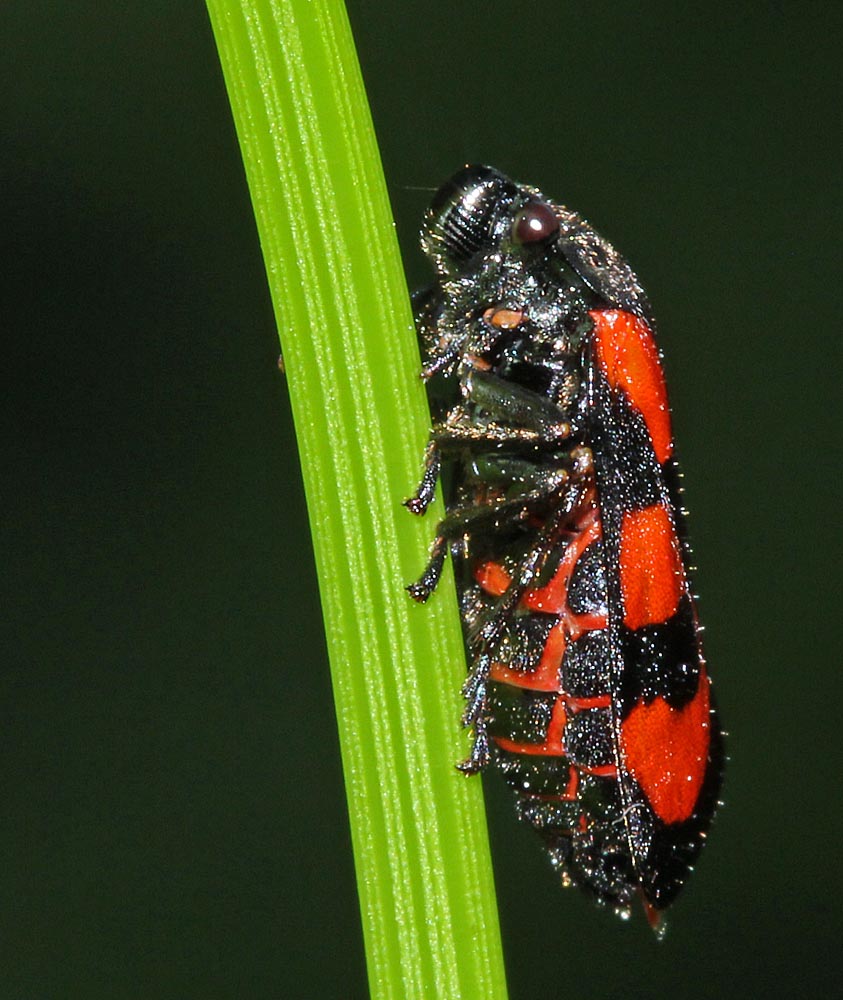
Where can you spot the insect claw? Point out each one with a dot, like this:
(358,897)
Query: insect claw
(415,505)
(418,591)
(427,582)
(479,757)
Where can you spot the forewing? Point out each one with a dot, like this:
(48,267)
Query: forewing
(667,749)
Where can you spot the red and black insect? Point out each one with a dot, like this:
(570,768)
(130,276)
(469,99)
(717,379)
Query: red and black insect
(587,688)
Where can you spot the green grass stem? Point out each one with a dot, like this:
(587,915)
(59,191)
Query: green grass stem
(418,828)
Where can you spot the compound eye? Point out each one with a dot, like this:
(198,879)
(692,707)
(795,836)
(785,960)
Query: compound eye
(535,223)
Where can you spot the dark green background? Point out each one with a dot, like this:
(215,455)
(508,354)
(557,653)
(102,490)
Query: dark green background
(173,821)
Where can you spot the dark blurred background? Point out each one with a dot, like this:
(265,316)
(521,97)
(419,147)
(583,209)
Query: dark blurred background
(173,821)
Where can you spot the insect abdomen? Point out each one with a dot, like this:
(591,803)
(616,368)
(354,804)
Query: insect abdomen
(549,711)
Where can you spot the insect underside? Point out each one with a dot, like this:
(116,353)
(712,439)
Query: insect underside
(587,686)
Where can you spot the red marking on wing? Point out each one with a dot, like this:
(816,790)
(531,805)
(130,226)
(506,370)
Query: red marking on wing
(629,359)
(652,577)
(666,751)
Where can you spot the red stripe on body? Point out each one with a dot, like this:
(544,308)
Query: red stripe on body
(494,580)
(629,359)
(552,746)
(666,751)
(651,572)
(583,704)
(552,598)
(546,675)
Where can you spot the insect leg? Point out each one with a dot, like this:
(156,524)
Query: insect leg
(521,476)
(474,691)
(459,433)
(420,500)
(515,405)
(543,485)
(463,521)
